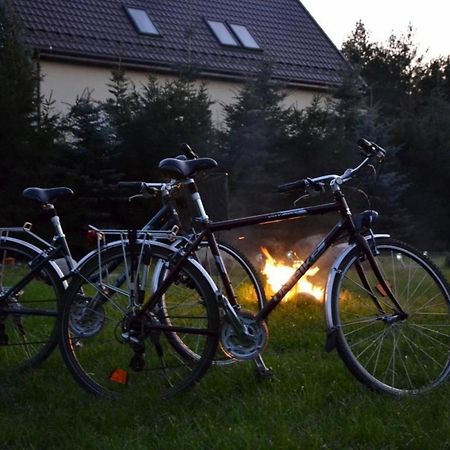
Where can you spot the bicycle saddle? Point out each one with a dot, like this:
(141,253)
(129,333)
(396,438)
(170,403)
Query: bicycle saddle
(177,168)
(49,195)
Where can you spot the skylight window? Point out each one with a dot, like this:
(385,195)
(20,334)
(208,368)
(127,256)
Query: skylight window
(142,21)
(222,33)
(244,36)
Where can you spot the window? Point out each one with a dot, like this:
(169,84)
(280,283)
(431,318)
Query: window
(232,35)
(244,36)
(222,33)
(142,21)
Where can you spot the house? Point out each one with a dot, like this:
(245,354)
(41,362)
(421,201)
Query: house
(78,42)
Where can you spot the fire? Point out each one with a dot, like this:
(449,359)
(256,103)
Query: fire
(278,273)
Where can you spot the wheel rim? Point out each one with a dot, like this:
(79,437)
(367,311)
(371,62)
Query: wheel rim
(399,354)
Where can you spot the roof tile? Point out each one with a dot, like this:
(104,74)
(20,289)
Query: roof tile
(289,37)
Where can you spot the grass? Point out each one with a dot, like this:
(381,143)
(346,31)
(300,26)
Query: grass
(313,402)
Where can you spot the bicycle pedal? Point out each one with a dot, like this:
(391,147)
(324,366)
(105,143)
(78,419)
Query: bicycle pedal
(266,373)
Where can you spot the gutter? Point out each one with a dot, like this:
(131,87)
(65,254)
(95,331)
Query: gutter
(68,57)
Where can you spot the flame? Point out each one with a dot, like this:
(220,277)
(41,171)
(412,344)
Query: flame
(278,273)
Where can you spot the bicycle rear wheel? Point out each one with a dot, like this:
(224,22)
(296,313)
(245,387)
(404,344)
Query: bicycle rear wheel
(385,351)
(27,318)
(111,350)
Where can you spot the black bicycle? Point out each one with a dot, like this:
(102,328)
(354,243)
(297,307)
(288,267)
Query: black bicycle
(386,305)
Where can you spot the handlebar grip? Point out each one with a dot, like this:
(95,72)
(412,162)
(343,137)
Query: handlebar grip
(371,149)
(188,152)
(130,184)
(299,184)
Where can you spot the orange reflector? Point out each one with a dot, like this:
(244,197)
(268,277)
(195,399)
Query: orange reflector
(119,376)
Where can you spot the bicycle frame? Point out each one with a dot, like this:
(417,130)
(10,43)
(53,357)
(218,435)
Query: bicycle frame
(229,302)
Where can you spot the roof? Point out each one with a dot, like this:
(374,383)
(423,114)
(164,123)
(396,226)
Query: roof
(101,30)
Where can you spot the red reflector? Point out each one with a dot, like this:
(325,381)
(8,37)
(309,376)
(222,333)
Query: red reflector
(119,376)
(91,237)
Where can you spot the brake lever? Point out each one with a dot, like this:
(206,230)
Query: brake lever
(130,199)
(296,202)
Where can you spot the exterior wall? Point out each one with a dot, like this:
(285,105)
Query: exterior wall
(63,82)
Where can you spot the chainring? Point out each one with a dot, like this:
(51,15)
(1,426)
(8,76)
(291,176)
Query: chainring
(244,347)
(87,316)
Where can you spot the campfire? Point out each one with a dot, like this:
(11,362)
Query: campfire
(278,272)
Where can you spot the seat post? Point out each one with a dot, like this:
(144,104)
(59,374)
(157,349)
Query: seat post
(192,186)
(60,237)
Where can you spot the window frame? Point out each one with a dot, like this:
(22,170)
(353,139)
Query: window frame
(236,43)
(136,25)
(240,39)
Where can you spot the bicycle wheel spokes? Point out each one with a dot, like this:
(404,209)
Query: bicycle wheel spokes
(27,318)
(383,348)
(115,349)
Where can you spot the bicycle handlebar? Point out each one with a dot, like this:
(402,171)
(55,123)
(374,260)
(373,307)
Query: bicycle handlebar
(368,149)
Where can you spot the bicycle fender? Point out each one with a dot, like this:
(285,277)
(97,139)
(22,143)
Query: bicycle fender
(158,266)
(330,344)
(38,250)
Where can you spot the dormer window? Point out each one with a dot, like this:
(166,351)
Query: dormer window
(142,21)
(222,33)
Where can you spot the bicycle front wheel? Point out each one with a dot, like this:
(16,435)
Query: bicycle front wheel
(111,349)
(28,306)
(386,351)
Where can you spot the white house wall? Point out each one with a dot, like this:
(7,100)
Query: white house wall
(63,82)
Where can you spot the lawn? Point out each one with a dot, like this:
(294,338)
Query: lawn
(312,402)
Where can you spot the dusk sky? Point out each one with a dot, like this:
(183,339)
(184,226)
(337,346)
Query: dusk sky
(382,17)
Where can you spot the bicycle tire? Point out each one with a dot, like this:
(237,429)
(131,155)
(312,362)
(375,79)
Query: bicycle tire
(246,282)
(389,354)
(92,331)
(28,334)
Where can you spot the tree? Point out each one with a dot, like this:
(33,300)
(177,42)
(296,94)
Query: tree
(88,163)
(18,112)
(254,143)
(152,123)
(389,68)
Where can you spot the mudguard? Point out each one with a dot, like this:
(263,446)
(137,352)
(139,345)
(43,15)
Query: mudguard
(329,289)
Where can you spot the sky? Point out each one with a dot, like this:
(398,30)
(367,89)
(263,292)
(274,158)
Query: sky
(430,20)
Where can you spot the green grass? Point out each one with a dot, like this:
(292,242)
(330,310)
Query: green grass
(313,402)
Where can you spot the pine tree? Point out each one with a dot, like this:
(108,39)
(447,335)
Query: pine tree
(254,143)
(18,83)
(89,163)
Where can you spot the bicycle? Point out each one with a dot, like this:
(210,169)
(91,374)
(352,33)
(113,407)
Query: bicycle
(246,281)
(30,292)
(386,306)
(32,282)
